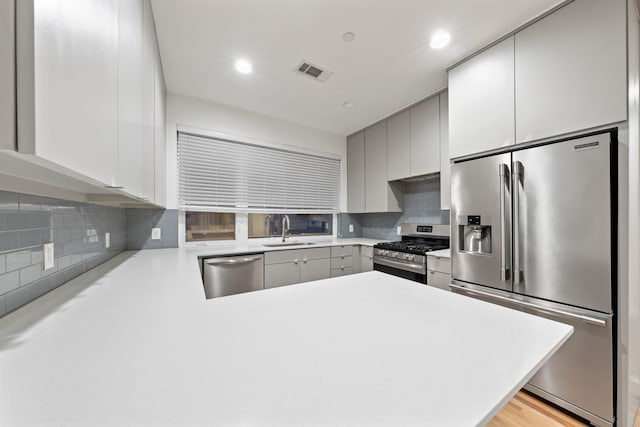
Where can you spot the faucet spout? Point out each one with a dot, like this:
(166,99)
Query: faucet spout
(285,227)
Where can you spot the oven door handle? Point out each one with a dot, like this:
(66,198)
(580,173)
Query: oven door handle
(416,268)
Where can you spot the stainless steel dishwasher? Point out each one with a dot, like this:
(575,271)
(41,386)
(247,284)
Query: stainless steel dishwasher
(233,275)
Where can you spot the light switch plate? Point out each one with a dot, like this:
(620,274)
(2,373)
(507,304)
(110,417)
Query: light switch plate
(48,256)
(107,240)
(156,233)
(350,228)
(399,230)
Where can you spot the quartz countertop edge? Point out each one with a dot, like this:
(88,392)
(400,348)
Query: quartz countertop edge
(135,342)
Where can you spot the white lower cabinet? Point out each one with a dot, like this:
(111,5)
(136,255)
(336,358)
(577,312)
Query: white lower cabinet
(438,272)
(366,258)
(296,266)
(341,260)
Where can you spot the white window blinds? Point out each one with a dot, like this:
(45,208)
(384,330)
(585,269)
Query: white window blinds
(226,175)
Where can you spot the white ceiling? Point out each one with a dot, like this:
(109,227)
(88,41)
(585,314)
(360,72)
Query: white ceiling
(386,68)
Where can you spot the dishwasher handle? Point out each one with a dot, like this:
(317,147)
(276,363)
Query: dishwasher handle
(233,261)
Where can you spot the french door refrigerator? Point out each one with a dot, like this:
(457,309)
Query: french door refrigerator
(535,229)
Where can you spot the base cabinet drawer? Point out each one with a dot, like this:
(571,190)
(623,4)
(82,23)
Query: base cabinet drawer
(443,265)
(337,251)
(439,280)
(343,261)
(337,272)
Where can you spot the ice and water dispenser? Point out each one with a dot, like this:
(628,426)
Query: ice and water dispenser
(475,236)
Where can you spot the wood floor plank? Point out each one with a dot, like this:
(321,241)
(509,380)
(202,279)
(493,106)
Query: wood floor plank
(525,410)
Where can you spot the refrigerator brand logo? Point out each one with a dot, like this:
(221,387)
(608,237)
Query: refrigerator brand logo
(586,146)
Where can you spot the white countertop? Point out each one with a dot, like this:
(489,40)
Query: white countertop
(134,342)
(234,248)
(442,253)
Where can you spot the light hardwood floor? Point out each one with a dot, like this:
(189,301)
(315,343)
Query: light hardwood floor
(525,410)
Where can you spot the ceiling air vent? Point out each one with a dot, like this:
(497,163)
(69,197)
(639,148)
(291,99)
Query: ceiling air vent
(313,71)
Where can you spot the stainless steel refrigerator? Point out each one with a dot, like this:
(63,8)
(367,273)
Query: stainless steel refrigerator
(535,229)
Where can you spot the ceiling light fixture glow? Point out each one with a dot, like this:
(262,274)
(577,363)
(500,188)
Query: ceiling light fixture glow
(348,104)
(439,39)
(348,37)
(243,66)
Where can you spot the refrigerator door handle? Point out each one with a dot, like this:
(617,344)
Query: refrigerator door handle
(503,170)
(516,171)
(528,305)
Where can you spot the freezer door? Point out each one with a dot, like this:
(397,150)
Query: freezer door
(562,222)
(579,376)
(480,218)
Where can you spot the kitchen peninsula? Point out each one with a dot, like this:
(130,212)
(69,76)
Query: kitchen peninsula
(135,342)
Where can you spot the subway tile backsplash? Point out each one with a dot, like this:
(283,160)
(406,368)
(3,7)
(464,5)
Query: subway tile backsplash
(76,230)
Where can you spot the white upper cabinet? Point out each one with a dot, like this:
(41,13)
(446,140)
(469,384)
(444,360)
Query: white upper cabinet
(445,166)
(148,86)
(7,76)
(160,98)
(425,137)
(68,84)
(355,173)
(481,104)
(380,195)
(130,97)
(399,146)
(570,70)
(90,96)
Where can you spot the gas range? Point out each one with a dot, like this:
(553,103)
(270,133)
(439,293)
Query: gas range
(408,257)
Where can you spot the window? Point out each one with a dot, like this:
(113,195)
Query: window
(204,226)
(223,175)
(270,225)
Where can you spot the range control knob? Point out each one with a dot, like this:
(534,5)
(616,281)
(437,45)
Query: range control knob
(394,255)
(409,257)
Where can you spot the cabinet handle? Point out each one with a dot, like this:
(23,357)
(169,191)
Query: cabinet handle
(304,260)
(295,261)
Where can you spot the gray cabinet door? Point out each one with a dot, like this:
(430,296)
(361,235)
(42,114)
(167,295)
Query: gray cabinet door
(281,274)
(130,96)
(445,166)
(399,146)
(7,76)
(481,102)
(148,111)
(570,70)
(375,138)
(355,173)
(425,137)
(315,269)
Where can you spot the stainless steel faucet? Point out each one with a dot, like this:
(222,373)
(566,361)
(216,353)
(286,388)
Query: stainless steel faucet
(285,227)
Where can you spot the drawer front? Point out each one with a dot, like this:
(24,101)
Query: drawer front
(337,272)
(443,265)
(315,253)
(279,257)
(342,261)
(292,255)
(439,280)
(341,251)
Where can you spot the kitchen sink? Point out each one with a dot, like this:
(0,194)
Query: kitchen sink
(276,245)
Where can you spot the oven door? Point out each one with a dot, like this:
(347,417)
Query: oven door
(413,272)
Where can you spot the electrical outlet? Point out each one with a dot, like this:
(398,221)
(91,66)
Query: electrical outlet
(107,240)
(399,230)
(48,256)
(350,228)
(156,233)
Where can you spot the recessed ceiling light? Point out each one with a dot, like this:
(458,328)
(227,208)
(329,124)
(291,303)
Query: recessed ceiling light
(348,37)
(243,66)
(439,40)
(348,104)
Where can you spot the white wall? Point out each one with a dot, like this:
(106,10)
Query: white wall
(200,114)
